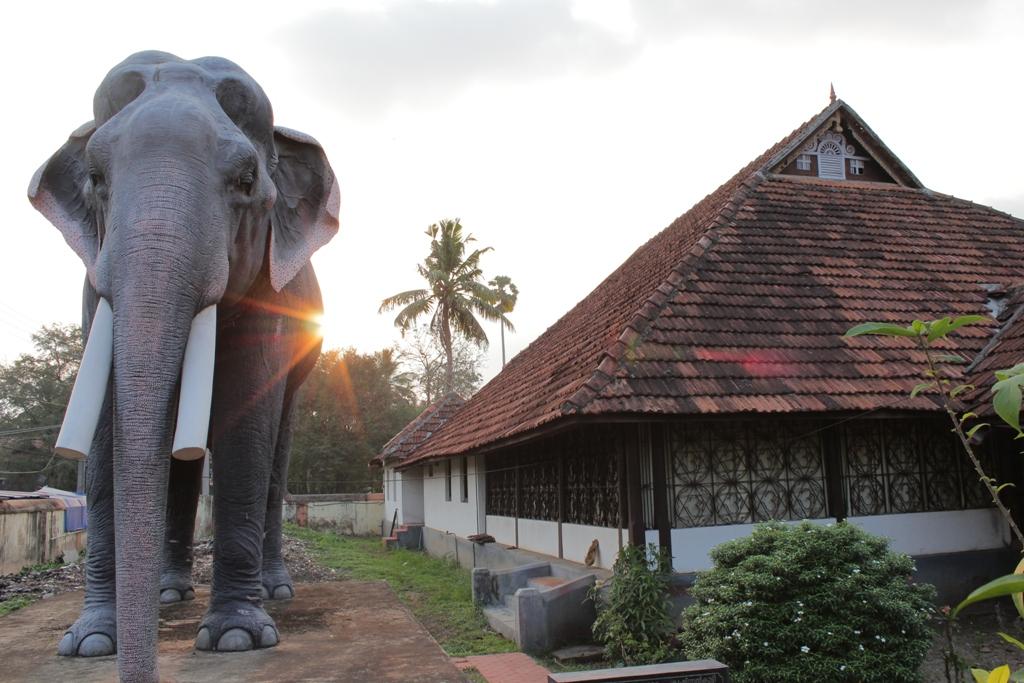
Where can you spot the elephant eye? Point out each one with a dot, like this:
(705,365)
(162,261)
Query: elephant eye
(246,181)
(98,184)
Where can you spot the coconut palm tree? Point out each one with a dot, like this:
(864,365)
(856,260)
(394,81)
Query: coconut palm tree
(455,295)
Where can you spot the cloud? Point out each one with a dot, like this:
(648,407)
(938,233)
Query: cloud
(780,20)
(424,52)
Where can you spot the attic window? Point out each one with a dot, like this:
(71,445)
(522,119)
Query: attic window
(856,167)
(832,152)
(803,162)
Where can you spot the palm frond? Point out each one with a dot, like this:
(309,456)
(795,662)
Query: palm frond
(467,325)
(407,317)
(402,299)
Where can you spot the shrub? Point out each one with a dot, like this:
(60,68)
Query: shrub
(633,620)
(810,603)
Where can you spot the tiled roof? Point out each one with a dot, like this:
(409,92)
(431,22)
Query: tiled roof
(1005,350)
(739,306)
(419,430)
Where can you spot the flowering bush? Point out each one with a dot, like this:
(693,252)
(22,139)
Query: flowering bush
(810,603)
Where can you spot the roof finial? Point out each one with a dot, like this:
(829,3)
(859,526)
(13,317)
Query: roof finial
(831,94)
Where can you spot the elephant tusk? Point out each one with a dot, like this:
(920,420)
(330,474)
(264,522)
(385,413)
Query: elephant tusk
(196,388)
(86,402)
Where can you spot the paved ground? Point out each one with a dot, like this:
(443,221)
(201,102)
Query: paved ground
(331,631)
(511,667)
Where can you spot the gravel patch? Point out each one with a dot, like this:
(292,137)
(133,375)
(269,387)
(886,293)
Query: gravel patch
(42,583)
(297,557)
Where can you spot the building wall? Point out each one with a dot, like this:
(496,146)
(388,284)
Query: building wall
(453,516)
(32,532)
(410,495)
(542,537)
(392,499)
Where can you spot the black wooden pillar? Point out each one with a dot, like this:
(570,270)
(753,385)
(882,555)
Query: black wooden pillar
(831,445)
(659,475)
(561,501)
(516,465)
(634,488)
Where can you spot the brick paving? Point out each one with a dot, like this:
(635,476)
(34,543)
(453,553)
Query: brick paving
(512,667)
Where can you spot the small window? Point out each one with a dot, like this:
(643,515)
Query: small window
(856,167)
(803,162)
(448,479)
(465,480)
(430,471)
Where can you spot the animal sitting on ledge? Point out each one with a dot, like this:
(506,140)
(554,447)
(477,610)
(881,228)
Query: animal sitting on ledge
(592,553)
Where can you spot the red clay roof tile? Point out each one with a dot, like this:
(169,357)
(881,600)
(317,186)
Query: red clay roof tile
(740,306)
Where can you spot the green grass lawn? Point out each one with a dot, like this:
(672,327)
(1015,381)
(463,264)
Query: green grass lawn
(437,592)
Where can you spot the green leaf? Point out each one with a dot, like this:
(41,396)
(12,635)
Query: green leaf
(1003,486)
(885,329)
(1018,676)
(979,675)
(919,328)
(967,416)
(971,432)
(1004,585)
(1006,373)
(1007,398)
(967,320)
(1012,641)
(959,389)
(938,329)
(951,359)
(921,387)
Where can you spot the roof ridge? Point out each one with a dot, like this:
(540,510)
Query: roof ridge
(399,439)
(638,325)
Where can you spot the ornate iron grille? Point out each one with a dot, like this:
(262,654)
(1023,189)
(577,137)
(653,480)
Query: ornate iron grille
(894,466)
(742,472)
(591,479)
(500,484)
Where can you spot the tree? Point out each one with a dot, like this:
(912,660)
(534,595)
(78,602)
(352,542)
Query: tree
(348,408)
(456,294)
(505,294)
(34,392)
(423,359)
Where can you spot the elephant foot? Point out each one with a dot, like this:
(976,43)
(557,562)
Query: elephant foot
(176,586)
(276,583)
(236,626)
(94,634)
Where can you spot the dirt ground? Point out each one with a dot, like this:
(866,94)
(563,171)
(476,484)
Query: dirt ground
(330,631)
(976,639)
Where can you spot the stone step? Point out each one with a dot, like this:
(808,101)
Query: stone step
(502,620)
(545,582)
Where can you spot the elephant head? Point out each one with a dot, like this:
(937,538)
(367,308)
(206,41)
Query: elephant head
(179,195)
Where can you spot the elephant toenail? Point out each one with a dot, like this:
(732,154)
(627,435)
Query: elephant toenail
(203,640)
(67,645)
(268,637)
(283,592)
(234,640)
(264,593)
(169,595)
(96,645)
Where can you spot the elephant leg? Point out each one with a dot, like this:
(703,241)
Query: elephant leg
(182,501)
(247,401)
(277,582)
(94,633)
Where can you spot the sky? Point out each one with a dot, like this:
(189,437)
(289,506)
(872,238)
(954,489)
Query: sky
(564,134)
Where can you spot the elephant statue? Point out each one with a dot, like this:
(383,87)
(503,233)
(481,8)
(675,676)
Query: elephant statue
(191,212)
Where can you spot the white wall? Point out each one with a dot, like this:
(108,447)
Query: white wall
(691,547)
(542,537)
(410,496)
(576,540)
(930,533)
(453,516)
(390,500)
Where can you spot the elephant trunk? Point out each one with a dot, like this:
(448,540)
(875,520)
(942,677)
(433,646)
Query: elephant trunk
(152,317)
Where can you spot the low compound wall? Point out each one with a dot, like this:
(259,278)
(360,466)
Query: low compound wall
(32,531)
(352,514)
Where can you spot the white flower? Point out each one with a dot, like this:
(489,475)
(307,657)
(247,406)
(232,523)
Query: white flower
(856,632)
(856,570)
(861,648)
(804,649)
(842,667)
(766,643)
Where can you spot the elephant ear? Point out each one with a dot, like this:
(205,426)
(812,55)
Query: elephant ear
(305,216)
(58,191)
